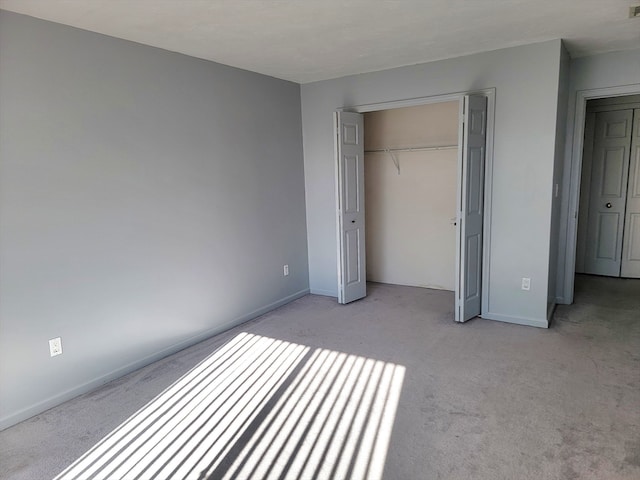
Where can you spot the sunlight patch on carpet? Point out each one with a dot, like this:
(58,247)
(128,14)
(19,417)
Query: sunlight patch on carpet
(258,408)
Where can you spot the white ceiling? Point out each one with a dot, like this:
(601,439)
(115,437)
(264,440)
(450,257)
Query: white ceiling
(309,40)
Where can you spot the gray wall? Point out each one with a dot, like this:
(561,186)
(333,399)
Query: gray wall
(599,71)
(148,200)
(526,82)
(558,165)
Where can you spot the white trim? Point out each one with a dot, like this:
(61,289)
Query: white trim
(488,200)
(31,410)
(338,188)
(412,102)
(614,108)
(490,93)
(324,293)
(530,322)
(457,304)
(575,174)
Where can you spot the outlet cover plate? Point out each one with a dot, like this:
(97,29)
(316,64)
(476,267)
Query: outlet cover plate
(55,346)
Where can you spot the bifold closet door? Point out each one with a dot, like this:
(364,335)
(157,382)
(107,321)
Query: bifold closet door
(608,193)
(631,244)
(470,207)
(352,275)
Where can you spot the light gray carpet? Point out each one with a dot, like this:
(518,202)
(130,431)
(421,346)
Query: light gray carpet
(484,400)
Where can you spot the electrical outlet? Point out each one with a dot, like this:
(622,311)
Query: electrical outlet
(55,346)
(526,283)
(285,270)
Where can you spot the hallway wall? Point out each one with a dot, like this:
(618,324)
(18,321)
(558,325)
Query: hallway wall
(615,69)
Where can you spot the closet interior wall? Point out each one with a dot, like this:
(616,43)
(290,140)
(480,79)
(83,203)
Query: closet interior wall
(410,195)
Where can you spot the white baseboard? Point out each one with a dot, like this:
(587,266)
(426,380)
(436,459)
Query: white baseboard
(324,293)
(529,322)
(28,412)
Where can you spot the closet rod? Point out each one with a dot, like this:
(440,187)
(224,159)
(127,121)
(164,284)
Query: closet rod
(411,149)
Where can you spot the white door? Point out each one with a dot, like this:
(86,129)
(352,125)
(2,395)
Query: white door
(631,244)
(352,277)
(470,207)
(608,193)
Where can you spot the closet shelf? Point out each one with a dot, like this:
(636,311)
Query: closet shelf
(392,151)
(411,149)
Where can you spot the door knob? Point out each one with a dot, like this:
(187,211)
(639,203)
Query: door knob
(608,205)
(353,221)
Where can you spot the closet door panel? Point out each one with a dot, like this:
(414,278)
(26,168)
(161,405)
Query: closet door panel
(608,192)
(349,149)
(471,208)
(631,243)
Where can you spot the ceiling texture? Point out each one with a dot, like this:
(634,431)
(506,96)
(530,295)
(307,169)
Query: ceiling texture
(309,40)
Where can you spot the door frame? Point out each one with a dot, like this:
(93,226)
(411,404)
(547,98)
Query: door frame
(490,93)
(575,169)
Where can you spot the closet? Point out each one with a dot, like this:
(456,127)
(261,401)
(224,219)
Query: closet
(609,221)
(411,200)
(410,172)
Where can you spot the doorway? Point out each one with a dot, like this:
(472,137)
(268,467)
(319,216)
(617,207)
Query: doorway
(573,170)
(608,240)
(475,120)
